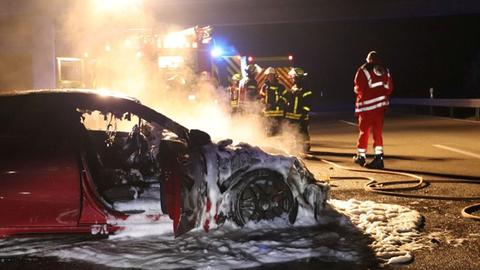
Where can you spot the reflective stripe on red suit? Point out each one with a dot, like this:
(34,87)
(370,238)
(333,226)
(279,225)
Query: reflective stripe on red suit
(373,86)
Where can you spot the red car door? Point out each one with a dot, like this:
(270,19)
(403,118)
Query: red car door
(39,183)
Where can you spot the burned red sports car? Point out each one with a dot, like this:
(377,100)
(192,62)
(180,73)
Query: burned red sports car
(76,161)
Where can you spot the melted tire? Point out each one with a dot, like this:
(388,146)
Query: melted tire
(264,195)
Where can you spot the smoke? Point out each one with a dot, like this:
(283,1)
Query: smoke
(13,63)
(117,38)
(18,36)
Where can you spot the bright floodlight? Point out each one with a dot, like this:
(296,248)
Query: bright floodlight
(111,5)
(216,52)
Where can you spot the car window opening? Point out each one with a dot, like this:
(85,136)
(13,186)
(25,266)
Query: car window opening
(125,160)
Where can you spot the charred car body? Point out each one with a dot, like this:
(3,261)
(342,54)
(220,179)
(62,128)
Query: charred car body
(76,161)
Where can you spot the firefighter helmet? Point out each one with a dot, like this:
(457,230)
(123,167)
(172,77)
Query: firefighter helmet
(236,77)
(297,72)
(270,70)
(251,69)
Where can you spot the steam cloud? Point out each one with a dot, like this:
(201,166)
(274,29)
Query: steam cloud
(109,35)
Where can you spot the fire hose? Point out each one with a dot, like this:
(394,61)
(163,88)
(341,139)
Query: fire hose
(385,188)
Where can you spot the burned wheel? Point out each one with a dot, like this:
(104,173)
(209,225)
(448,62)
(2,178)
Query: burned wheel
(264,195)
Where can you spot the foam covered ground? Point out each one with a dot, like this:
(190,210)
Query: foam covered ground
(350,231)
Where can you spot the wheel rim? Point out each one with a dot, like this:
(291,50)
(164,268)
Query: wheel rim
(264,199)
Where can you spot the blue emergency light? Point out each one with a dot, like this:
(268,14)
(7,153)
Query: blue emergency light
(216,52)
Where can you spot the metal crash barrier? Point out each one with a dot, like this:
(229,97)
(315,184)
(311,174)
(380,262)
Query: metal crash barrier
(441,102)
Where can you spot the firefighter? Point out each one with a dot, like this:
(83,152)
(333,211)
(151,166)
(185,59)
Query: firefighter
(249,89)
(271,96)
(233,92)
(298,105)
(373,86)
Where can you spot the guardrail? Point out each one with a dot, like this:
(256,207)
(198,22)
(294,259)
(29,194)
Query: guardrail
(440,102)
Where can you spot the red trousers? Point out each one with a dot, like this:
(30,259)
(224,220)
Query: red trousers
(370,121)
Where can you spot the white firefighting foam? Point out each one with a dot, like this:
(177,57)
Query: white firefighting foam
(394,231)
(394,228)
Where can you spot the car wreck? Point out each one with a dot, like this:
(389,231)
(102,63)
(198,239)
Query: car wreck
(81,161)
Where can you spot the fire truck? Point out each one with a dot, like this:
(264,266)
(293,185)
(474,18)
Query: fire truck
(226,66)
(170,54)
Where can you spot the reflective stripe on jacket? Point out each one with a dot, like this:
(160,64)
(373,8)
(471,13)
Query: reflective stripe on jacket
(271,94)
(373,86)
(234,93)
(298,103)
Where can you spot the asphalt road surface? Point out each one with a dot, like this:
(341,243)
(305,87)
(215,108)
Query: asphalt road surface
(413,143)
(434,148)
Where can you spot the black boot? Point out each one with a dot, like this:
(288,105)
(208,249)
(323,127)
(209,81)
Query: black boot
(376,163)
(360,160)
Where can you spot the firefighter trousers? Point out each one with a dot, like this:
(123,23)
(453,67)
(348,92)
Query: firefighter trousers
(370,121)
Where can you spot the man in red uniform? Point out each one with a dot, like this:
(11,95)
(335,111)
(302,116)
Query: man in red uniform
(373,86)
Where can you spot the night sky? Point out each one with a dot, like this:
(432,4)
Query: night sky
(442,52)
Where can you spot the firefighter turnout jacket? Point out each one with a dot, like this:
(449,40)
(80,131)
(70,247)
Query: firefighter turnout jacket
(234,94)
(298,103)
(271,94)
(373,86)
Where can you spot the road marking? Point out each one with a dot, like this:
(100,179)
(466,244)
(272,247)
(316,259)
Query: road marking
(457,150)
(348,123)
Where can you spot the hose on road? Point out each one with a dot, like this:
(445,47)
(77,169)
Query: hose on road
(418,182)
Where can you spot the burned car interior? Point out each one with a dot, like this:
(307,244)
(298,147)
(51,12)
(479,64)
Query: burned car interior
(130,156)
(124,161)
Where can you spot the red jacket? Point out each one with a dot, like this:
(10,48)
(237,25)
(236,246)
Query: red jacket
(373,86)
